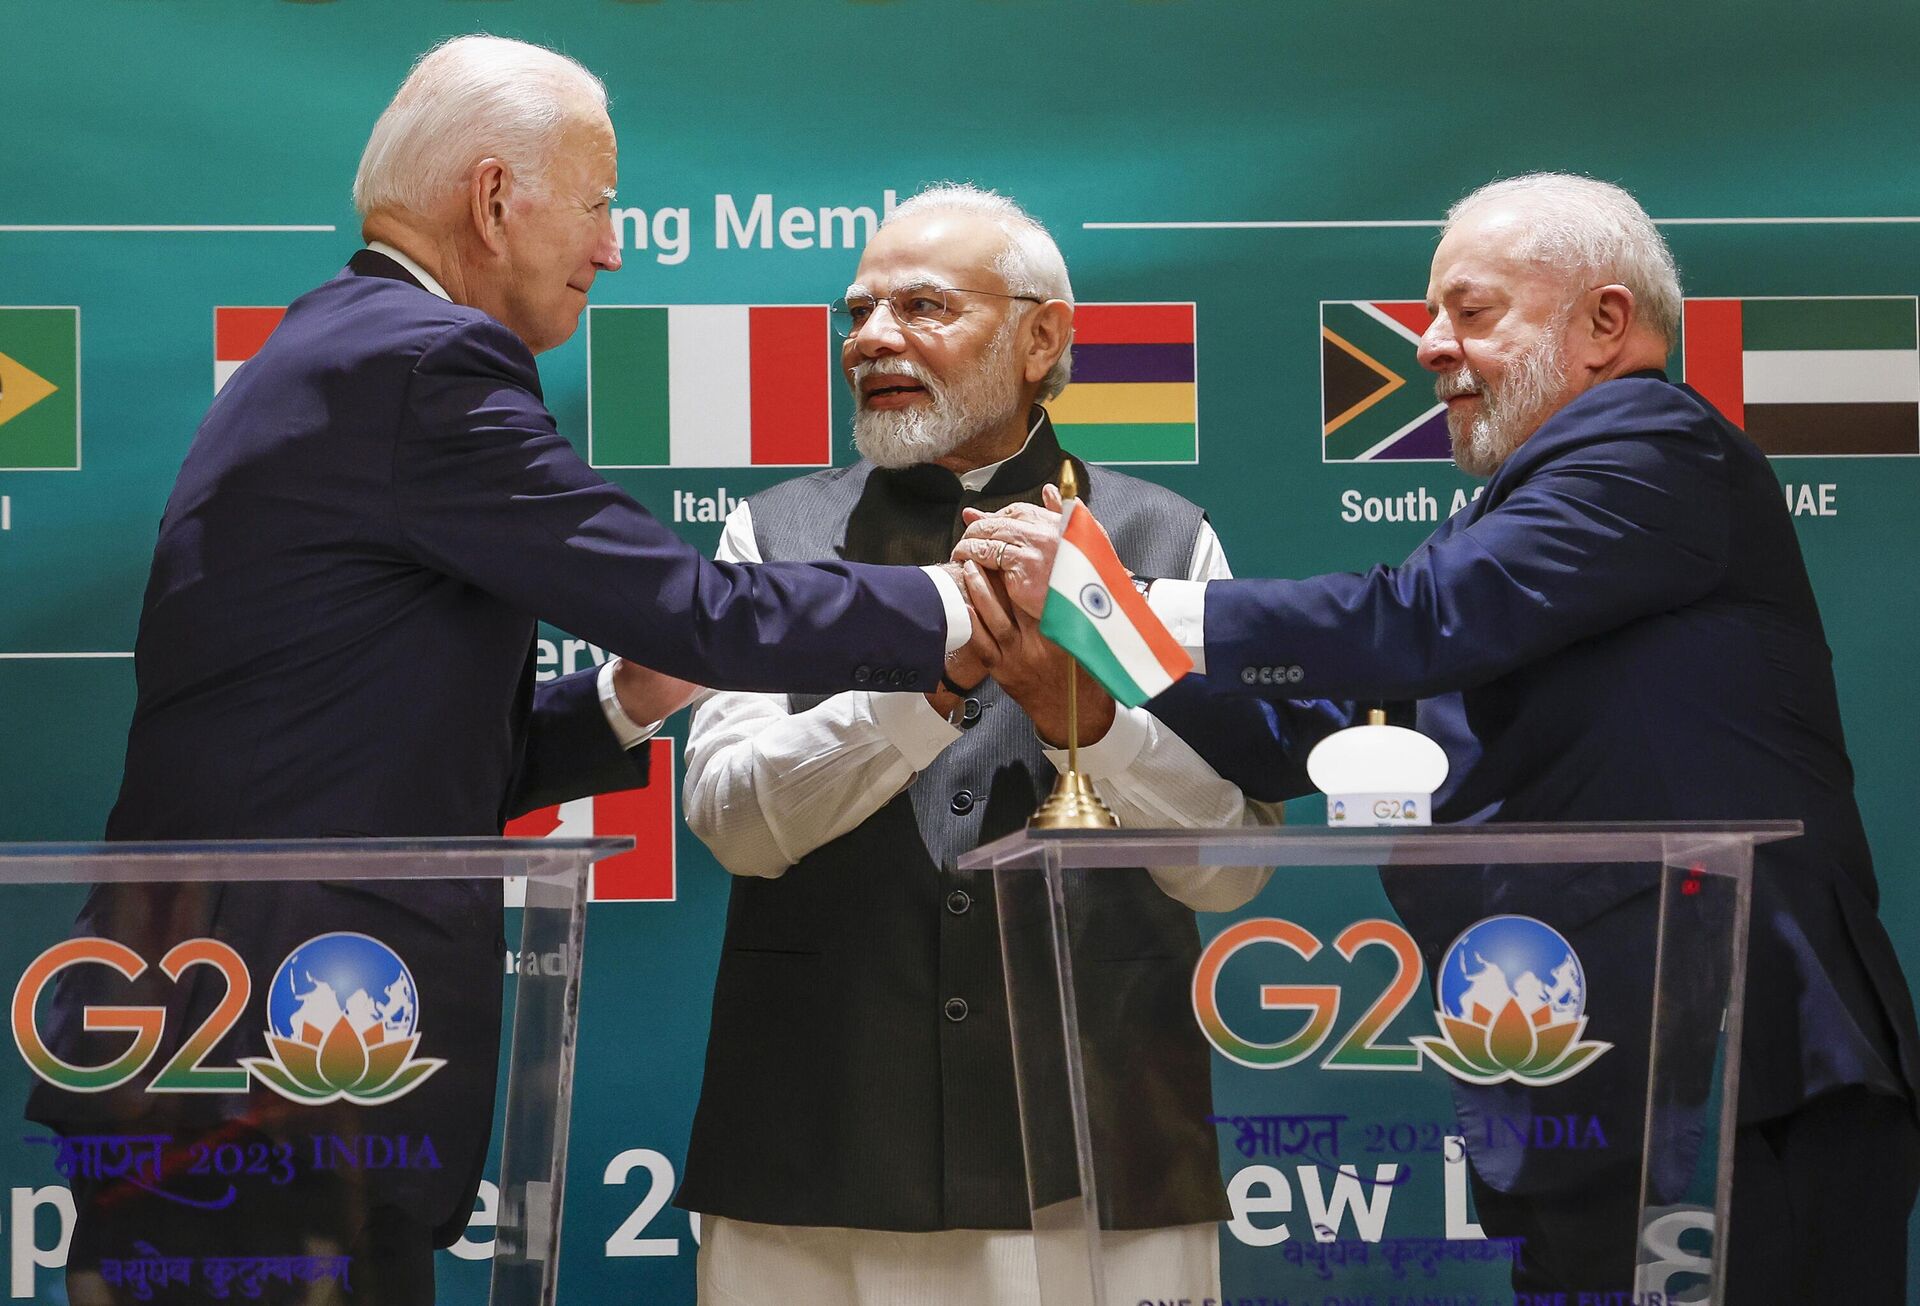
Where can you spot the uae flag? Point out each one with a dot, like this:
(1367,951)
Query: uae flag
(1133,397)
(1376,401)
(1094,612)
(1810,376)
(238,334)
(709,385)
(644,875)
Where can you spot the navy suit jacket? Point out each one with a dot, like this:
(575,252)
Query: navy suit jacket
(338,639)
(1621,628)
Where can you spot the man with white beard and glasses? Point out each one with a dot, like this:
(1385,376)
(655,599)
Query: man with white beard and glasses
(858,1137)
(1619,628)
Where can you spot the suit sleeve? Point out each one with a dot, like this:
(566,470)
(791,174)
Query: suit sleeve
(1610,529)
(487,491)
(571,750)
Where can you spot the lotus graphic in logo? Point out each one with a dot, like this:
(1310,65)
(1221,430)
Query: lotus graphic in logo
(1513,999)
(341,1018)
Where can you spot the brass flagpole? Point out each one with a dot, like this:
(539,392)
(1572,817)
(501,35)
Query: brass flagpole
(1073,804)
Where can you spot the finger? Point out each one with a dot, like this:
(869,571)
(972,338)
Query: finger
(987,608)
(982,552)
(971,515)
(1050,495)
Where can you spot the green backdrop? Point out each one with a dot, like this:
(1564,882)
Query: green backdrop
(164,159)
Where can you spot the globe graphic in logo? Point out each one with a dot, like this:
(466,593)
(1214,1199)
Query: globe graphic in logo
(1513,1001)
(348,976)
(1512,958)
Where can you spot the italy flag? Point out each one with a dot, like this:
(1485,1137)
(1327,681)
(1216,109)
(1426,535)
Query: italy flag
(1094,613)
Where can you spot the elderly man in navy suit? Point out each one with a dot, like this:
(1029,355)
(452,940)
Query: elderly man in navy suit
(1619,628)
(337,639)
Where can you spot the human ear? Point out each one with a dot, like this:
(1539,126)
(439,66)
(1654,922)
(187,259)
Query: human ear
(1050,327)
(489,189)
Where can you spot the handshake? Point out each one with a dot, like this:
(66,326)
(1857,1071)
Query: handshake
(1001,565)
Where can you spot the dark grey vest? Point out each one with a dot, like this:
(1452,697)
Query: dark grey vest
(859,1069)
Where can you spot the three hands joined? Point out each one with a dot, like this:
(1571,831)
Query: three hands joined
(1001,565)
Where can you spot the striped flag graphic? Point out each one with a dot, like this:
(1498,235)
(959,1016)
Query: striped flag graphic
(1134,394)
(647,874)
(1810,376)
(238,334)
(709,385)
(1094,612)
(1376,401)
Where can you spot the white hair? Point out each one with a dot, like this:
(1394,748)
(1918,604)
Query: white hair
(470,98)
(1593,228)
(1030,263)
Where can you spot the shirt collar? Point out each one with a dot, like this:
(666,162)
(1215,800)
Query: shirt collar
(414,270)
(977,479)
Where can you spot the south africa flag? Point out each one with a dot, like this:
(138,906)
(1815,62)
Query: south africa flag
(1376,401)
(1810,376)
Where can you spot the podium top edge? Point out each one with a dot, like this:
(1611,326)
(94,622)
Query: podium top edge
(299,859)
(1444,845)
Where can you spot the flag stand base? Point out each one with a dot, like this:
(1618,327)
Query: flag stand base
(1073,805)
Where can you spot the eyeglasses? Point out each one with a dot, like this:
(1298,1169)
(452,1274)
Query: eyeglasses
(914,307)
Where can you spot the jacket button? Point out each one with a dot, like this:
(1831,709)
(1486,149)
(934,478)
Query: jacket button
(958,901)
(962,802)
(969,712)
(1248,675)
(861,675)
(913,678)
(956,1009)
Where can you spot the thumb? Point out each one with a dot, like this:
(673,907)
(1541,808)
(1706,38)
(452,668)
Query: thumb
(1050,496)
(971,515)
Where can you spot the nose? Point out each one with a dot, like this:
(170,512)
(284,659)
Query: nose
(1439,351)
(606,252)
(871,339)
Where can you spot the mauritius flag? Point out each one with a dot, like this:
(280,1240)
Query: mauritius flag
(1094,612)
(709,385)
(1376,401)
(1133,395)
(1810,376)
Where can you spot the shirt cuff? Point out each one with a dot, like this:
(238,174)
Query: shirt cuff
(959,617)
(625,730)
(1181,606)
(1114,751)
(911,725)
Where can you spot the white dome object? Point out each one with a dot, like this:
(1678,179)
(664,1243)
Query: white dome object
(1375,759)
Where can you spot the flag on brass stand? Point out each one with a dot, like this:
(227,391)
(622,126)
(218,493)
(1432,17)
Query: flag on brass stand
(1094,612)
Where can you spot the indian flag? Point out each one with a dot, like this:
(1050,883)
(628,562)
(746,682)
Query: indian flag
(238,334)
(1094,612)
(709,385)
(1134,394)
(1810,376)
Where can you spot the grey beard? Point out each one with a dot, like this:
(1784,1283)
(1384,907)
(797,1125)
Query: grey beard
(986,397)
(1510,411)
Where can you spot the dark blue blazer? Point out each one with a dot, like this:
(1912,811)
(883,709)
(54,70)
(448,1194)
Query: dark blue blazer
(338,639)
(1621,628)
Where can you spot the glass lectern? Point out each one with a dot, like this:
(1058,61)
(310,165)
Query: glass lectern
(1462,1063)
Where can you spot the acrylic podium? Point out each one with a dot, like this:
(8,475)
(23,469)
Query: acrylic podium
(1446,1064)
(230,1057)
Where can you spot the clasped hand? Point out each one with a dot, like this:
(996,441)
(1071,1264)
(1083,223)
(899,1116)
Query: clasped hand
(1002,564)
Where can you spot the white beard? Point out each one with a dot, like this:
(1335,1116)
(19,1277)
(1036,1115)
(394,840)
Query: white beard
(986,397)
(1510,411)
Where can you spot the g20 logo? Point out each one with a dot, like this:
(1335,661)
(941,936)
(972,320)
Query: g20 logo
(342,1018)
(1512,1002)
